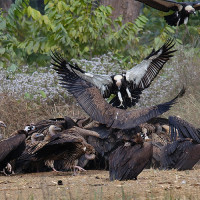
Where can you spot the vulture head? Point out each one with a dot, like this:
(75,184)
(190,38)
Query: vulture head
(89,152)
(54,130)
(29,128)
(190,9)
(36,137)
(2,124)
(118,79)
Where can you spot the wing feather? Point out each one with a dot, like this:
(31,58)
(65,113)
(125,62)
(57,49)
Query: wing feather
(162,5)
(90,99)
(144,73)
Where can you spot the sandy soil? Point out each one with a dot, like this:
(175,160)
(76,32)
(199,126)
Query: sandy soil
(151,184)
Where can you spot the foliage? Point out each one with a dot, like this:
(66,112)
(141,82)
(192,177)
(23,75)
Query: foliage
(78,28)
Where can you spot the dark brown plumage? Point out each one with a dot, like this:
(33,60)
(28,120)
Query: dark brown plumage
(183,129)
(12,148)
(92,102)
(182,154)
(128,161)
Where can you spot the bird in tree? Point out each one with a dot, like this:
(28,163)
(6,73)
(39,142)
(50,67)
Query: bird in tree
(182,10)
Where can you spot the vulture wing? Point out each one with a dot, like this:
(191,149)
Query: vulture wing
(183,129)
(124,166)
(90,99)
(162,5)
(196,5)
(103,82)
(10,144)
(182,154)
(144,73)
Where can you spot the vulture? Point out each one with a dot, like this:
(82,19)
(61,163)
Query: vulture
(13,147)
(90,99)
(182,154)
(128,160)
(43,125)
(183,129)
(184,151)
(182,10)
(128,86)
(67,145)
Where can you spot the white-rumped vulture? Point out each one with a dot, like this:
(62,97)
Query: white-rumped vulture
(90,99)
(128,86)
(12,147)
(128,160)
(182,10)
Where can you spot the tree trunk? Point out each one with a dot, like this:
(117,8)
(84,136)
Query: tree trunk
(5,4)
(129,9)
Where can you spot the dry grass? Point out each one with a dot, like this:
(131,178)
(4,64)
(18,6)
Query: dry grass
(18,113)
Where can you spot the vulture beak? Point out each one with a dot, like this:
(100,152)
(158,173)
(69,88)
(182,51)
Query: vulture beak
(57,128)
(39,135)
(2,124)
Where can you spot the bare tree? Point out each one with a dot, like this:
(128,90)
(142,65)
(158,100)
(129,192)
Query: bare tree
(5,4)
(129,9)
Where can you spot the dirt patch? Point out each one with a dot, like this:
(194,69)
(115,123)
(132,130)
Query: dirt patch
(151,184)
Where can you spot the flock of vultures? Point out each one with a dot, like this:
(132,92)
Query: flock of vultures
(113,137)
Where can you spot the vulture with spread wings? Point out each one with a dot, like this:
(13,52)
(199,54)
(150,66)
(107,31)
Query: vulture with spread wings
(182,10)
(183,129)
(126,87)
(92,102)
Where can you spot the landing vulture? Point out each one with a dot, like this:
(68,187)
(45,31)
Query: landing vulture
(90,99)
(182,10)
(128,160)
(12,147)
(128,86)
(182,154)
(183,129)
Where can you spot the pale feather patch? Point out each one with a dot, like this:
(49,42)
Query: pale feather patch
(118,77)
(90,75)
(189,8)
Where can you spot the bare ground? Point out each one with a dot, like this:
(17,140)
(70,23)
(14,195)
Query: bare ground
(151,184)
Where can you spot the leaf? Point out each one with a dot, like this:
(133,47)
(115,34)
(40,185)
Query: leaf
(12,68)
(2,50)
(43,94)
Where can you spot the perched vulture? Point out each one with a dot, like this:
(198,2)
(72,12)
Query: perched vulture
(183,129)
(90,99)
(182,154)
(128,160)
(12,147)
(182,10)
(128,86)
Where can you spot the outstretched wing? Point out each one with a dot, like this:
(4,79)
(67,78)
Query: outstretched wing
(90,99)
(196,5)
(144,73)
(183,129)
(162,5)
(103,82)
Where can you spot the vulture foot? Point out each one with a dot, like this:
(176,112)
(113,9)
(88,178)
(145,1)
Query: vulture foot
(80,169)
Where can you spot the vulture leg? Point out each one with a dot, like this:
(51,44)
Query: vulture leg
(79,169)
(120,98)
